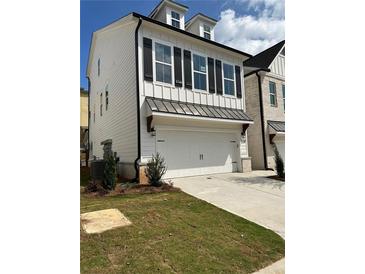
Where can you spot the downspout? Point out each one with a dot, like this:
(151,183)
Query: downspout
(262,119)
(138,101)
(88,120)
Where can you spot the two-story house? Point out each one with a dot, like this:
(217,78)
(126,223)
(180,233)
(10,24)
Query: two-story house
(265,103)
(160,83)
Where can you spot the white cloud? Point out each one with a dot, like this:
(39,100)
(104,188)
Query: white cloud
(249,33)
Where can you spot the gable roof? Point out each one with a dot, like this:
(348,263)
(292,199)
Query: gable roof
(196,16)
(264,59)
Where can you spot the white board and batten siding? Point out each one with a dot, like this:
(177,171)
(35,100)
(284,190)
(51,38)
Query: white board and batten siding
(277,67)
(170,92)
(115,48)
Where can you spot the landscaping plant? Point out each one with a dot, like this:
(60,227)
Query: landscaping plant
(110,172)
(156,168)
(278,162)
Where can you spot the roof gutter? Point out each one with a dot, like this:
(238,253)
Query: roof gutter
(138,101)
(148,19)
(262,119)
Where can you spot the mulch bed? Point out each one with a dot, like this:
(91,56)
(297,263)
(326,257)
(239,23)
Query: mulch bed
(124,189)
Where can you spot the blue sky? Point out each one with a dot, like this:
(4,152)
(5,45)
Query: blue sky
(249,25)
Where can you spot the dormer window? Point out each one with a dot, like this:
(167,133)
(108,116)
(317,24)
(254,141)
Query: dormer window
(175,19)
(206,32)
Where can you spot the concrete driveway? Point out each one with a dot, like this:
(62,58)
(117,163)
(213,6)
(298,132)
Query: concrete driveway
(249,195)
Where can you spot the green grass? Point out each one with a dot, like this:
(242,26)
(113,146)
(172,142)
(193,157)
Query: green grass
(175,233)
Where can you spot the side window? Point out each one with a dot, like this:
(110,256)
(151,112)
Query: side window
(106,97)
(228,76)
(272,90)
(163,63)
(200,72)
(175,19)
(99,67)
(206,32)
(283,90)
(101,104)
(94,114)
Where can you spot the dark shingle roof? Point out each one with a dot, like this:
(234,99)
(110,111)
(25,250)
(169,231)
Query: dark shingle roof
(277,125)
(264,59)
(182,108)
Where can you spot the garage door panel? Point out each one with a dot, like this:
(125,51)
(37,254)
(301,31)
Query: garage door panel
(197,153)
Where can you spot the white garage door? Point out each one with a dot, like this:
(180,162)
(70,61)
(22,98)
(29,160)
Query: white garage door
(197,153)
(280,144)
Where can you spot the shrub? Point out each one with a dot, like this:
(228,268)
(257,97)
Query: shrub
(156,168)
(110,172)
(279,163)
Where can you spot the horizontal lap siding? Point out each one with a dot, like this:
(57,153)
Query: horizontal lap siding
(119,123)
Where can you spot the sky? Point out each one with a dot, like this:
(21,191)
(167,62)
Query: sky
(248,25)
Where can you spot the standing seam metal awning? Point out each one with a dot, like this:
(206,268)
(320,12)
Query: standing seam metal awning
(182,108)
(278,126)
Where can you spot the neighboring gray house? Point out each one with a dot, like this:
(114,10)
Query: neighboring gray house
(160,84)
(265,103)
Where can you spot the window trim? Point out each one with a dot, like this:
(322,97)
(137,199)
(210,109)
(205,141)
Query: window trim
(275,95)
(101,104)
(106,97)
(207,32)
(172,65)
(234,80)
(174,19)
(193,71)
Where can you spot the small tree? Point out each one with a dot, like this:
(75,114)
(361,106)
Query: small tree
(156,168)
(279,163)
(110,172)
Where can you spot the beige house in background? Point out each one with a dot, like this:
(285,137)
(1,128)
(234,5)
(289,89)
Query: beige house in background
(83,124)
(265,104)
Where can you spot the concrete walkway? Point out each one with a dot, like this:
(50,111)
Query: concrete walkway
(249,195)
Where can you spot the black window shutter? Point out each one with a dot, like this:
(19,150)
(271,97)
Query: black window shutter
(211,79)
(238,81)
(187,69)
(147,59)
(177,67)
(218,75)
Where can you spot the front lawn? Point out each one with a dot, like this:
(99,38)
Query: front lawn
(175,233)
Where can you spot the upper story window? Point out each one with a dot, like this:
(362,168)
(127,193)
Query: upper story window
(228,75)
(106,97)
(99,67)
(206,32)
(200,72)
(175,19)
(283,90)
(163,63)
(94,114)
(272,90)
(101,104)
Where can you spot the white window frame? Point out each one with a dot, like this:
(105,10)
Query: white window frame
(276,95)
(155,61)
(234,80)
(210,31)
(174,19)
(193,71)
